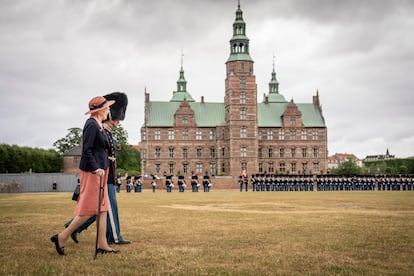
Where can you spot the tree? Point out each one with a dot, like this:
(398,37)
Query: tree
(15,159)
(127,157)
(348,167)
(72,139)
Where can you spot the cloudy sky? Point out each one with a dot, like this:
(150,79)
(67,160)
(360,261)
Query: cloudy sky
(56,55)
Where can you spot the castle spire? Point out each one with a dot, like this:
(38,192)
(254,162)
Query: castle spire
(181,94)
(274,95)
(239,43)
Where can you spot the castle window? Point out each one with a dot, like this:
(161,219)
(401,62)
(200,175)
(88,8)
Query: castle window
(282,134)
(303,134)
(144,135)
(282,167)
(213,168)
(292,120)
(270,167)
(315,152)
(157,152)
(270,152)
(171,152)
(282,152)
(293,135)
(185,167)
(199,168)
(243,165)
(269,134)
(223,167)
(212,152)
(185,134)
(158,167)
(243,114)
(212,134)
(243,132)
(185,152)
(199,134)
(199,152)
(242,83)
(315,135)
(293,167)
(315,167)
(157,134)
(304,167)
(304,152)
(171,167)
(292,152)
(185,119)
(260,152)
(223,151)
(243,152)
(171,134)
(242,98)
(260,167)
(260,134)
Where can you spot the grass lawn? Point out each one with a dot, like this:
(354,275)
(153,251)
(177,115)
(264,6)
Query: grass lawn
(218,233)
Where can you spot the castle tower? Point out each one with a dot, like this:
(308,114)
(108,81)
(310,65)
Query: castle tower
(240,103)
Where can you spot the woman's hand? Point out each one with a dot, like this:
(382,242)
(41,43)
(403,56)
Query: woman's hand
(99,172)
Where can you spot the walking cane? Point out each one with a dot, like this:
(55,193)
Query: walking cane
(98,216)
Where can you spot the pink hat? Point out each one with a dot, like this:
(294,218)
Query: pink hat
(98,103)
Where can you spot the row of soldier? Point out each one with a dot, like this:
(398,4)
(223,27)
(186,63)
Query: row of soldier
(136,183)
(271,182)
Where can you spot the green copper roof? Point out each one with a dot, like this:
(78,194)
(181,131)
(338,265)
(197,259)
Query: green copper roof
(161,114)
(270,115)
(180,96)
(239,56)
(276,98)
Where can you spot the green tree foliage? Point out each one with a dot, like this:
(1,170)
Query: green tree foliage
(391,166)
(348,167)
(15,159)
(72,139)
(128,158)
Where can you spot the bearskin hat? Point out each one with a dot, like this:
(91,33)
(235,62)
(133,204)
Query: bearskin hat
(118,109)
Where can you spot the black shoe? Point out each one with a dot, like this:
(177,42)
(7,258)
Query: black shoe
(60,250)
(123,242)
(74,237)
(103,251)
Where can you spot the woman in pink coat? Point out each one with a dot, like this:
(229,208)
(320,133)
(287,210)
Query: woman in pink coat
(93,165)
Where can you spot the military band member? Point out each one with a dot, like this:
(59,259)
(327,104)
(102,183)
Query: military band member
(206,183)
(169,183)
(194,182)
(181,184)
(154,182)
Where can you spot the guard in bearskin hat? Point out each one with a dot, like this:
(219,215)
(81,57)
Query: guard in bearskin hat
(116,114)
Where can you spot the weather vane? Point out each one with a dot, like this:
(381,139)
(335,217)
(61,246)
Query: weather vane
(182,57)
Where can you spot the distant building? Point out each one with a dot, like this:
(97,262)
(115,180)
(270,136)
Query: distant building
(377,157)
(335,160)
(273,136)
(71,160)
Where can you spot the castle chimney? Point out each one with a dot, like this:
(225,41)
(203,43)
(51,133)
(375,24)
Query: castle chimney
(202,99)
